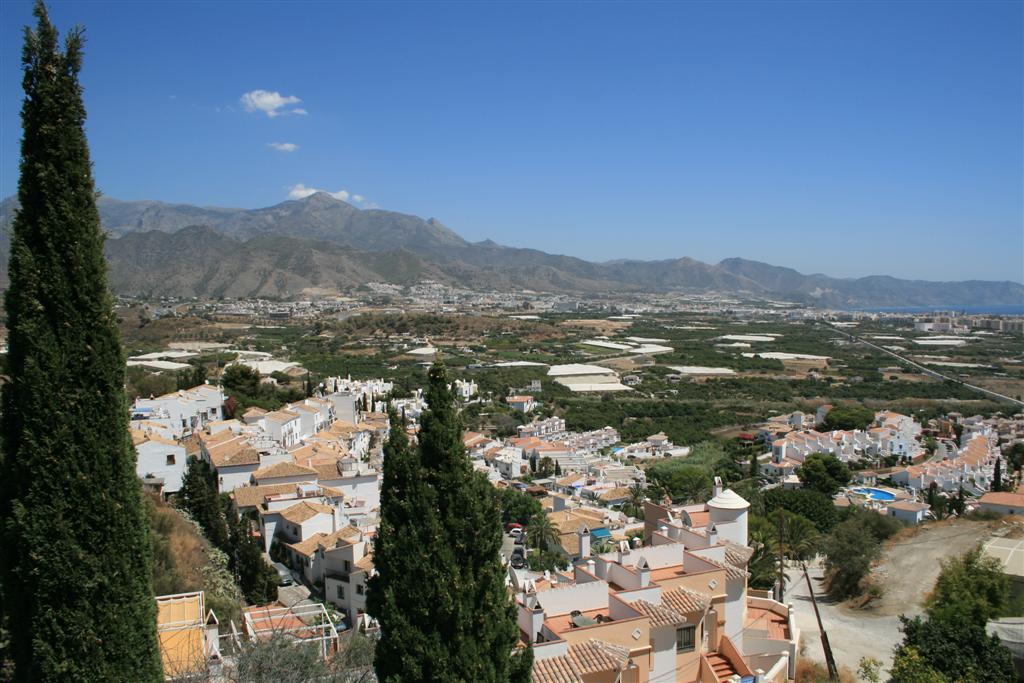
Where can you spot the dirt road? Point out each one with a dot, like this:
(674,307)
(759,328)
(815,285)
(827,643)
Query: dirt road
(908,569)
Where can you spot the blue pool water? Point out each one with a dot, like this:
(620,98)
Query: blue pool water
(875,494)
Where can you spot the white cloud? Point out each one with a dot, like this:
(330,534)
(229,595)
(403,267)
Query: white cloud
(283,146)
(300,191)
(270,103)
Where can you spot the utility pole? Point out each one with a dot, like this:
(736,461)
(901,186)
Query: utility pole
(782,556)
(830,662)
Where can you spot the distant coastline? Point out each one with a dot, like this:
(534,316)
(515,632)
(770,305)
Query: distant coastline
(997,309)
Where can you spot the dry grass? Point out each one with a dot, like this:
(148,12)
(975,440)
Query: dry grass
(604,327)
(808,671)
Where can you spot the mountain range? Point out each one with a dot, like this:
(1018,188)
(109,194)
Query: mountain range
(323,243)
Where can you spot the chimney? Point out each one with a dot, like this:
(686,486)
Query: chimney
(717,488)
(584,537)
(536,621)
(712,535)
(645,572)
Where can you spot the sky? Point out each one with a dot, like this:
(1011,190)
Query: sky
(848,139)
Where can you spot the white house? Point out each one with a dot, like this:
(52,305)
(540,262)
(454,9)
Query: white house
(182,412)
(523,404)
(283,426)
(298,522)
(161,459)
(358,481)
(909,511)
(1003,503)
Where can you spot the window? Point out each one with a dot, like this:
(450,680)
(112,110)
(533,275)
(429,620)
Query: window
(359,589)
(685,638)
(170,459)
(341,592)
(348,566)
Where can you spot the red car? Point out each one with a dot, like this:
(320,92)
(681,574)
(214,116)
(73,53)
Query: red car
(513,525)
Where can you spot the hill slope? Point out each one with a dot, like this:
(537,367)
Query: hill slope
(175,249)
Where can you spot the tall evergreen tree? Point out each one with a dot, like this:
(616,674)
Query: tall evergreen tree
(255,577)
(439,593)
(76,553)
(479,622)
(997,475)
(403,591)
(200,498)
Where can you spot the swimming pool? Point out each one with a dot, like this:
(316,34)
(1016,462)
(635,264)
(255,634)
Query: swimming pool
(875,494)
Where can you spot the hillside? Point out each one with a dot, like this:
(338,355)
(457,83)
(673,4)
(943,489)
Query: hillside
(279,251)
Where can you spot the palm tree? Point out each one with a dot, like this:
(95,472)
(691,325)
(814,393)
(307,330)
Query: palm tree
(541,532)
(764,564)
(635,502)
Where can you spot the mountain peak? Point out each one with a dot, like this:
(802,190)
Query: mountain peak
(322,198)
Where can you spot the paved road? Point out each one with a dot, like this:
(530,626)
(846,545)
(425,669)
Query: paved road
(852,635)
(926,370)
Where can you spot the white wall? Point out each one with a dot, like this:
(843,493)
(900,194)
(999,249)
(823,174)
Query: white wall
(153,460)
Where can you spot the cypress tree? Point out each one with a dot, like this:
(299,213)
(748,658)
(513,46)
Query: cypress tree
(76,551)
(256,578)
(997,476)
(439,593)
(403,591)
(479,623)
(200,498)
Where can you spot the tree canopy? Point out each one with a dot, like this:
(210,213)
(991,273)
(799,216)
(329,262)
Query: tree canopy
(824,473)
(848,417)
(971,587)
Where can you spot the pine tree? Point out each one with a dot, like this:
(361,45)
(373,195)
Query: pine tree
(997,476)
(76,552)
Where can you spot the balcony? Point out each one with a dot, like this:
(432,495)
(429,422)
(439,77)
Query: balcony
(338,575)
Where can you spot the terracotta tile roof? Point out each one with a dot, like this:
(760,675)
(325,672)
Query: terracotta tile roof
(237,451)
(555,670)
(615,493)
(1003,498)
(737,554)
(685,601)
(342,536)
(595,656)
(908,505)
(209,440)
(365,563)
(658,614)
(281,416)
(284,469)
(300,512)
(252,496)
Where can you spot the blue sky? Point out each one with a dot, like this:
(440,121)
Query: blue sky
(845,138)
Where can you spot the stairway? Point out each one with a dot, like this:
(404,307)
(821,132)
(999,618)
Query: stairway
(721,666)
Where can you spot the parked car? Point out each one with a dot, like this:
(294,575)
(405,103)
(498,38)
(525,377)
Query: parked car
(284,575)
(515,533)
